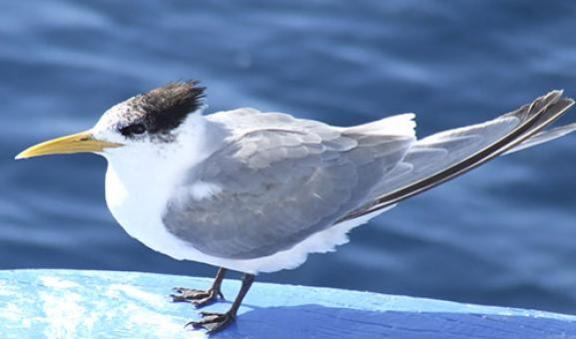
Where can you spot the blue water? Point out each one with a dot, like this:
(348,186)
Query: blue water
(504,234)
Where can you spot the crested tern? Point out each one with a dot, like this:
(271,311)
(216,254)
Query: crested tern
(256,191)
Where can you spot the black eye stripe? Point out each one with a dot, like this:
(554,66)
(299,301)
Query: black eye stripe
(159,112)
(133,129)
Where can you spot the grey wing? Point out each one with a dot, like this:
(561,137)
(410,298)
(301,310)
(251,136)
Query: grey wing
(446,155)
(280,186)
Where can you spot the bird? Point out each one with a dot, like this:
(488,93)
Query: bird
(257,192)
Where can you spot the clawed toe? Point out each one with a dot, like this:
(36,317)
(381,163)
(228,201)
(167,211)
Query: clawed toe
(187,295)
(198,298)
(213,322)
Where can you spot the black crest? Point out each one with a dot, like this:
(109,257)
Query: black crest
(163,109)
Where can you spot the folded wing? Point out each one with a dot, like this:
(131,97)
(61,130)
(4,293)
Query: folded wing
(279,180)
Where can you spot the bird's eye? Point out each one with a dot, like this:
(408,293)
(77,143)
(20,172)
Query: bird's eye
(134,129)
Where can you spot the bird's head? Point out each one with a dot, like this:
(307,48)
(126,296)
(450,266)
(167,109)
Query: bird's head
(148,119)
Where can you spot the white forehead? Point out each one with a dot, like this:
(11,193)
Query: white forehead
(107,126)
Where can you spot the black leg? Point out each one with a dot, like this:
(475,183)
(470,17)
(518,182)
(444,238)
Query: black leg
(214,322)
(201,298)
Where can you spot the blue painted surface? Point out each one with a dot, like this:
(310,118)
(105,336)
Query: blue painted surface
(98,304)
(503,234)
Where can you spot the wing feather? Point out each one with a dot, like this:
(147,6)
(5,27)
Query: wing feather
(281,181)
(446,155)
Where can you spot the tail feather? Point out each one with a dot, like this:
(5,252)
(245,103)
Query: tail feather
(446,155)
(545,136)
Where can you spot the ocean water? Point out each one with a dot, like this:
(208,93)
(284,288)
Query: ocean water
(504,234)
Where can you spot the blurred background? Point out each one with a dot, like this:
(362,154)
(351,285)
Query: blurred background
(503,234)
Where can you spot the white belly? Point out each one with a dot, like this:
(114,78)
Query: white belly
(138,209)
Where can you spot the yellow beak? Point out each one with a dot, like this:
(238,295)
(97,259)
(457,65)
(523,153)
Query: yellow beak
(76,143)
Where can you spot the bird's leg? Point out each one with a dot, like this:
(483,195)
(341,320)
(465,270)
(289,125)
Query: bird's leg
(214,322)
(201,298)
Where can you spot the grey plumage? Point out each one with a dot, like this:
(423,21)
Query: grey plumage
(284,179)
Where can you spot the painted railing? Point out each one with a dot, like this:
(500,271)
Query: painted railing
(98,304)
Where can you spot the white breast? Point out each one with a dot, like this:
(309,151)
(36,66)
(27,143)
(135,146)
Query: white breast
(138,209)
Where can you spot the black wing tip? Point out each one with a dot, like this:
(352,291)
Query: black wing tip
(556,92)
(559,107)
(541,104)
(569,102)
(556,96)
(558,100)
